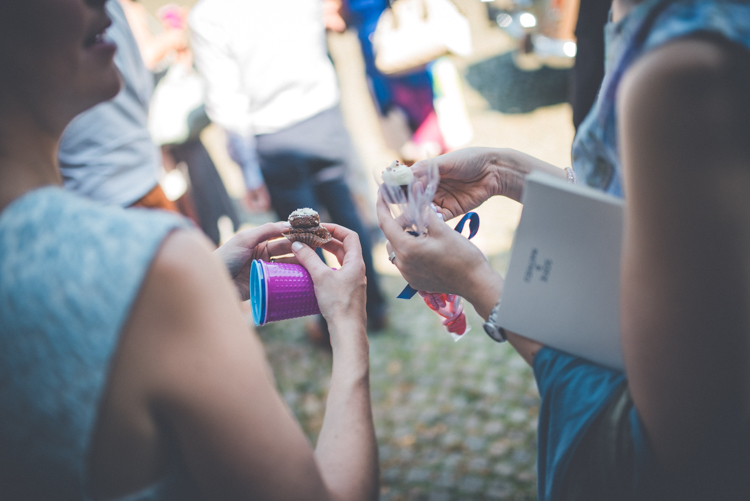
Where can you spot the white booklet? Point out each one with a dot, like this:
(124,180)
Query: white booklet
(562,284)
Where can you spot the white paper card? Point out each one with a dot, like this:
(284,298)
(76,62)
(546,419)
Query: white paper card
(562,284)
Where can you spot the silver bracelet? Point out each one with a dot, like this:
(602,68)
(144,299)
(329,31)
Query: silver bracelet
(571,175)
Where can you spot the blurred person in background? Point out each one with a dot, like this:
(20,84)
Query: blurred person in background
(177,114)
(411,93)
(127,370)
(106,154)
(588,70)
(272,87)
(669,133)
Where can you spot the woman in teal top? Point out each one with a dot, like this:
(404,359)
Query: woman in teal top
(669,132)
(127,370)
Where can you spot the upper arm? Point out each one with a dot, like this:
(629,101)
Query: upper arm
(189,354)
(684,143)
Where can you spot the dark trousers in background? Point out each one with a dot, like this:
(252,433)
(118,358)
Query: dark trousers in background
(305,165)
(208,194)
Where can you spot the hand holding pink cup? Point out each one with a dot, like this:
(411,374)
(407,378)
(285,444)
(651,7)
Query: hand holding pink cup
(280,291)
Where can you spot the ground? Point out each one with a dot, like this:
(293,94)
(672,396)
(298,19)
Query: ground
(455,420)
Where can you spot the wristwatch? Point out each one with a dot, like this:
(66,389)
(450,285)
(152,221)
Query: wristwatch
(492,325)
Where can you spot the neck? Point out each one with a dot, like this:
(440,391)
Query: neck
(28,156)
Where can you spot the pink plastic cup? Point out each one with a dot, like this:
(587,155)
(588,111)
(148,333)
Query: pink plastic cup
(279,291)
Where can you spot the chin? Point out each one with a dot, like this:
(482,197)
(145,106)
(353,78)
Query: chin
(106,88)
(113,86)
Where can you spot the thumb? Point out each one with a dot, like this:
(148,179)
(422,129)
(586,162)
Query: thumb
(436,225)
(309,259)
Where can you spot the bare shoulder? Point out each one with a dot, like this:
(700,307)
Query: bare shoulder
(690,88)
(187,310)
(705,62)
(185,256)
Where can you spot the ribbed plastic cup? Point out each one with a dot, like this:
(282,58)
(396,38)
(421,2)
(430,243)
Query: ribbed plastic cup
(279,291)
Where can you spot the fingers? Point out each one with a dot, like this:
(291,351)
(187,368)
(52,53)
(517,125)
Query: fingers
(309,259)
(279,247)
(435,225)
(447,213)
(419,169)
(337,249)
(252,237)
(350,249)
(393,231)
(337,231)
(391,253)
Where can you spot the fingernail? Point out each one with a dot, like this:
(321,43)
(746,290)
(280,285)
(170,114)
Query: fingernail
(296,246)
(286,224)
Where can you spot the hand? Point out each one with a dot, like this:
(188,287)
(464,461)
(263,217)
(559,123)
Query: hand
(332,16)
(258,199)
(239,252)
(470,176)
(175,39)
(341,293)
(440,261)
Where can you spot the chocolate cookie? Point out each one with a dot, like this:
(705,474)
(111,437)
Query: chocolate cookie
(304,218)
(306,228)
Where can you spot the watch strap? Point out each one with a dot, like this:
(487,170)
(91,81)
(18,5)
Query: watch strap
(492,326)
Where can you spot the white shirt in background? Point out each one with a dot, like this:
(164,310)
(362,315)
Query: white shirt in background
(266,68)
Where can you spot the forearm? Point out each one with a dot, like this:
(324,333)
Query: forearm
(346,451)
(156,48)
(513,166)
(527,164)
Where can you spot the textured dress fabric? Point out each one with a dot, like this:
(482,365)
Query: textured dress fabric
(70,271)
(585,405)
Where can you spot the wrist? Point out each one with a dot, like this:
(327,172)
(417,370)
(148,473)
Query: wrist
(509,169)
(350,346)
(346,328)
(483,291)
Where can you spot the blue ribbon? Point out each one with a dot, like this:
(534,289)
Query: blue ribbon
(473,219)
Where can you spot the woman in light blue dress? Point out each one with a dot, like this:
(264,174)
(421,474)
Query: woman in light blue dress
(670,132)
(127,370)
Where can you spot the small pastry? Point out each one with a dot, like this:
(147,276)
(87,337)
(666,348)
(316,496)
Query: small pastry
(398,174)
(306,228)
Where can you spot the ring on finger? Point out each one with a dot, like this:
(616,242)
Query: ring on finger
(392,257)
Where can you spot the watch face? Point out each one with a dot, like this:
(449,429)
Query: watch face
(493,332)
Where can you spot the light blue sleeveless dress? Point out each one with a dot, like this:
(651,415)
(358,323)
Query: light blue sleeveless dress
(70,271)
(574,392)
